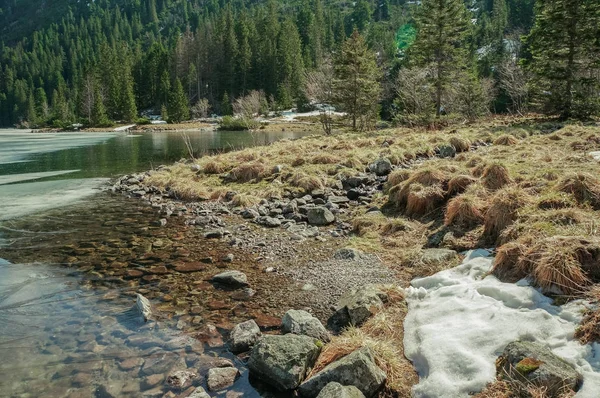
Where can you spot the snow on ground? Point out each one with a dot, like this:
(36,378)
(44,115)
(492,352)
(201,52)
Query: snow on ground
(12,178)
(458,323)
(595,155)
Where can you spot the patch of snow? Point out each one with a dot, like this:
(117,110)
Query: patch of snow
(595,155)
(460,320)
(12,178)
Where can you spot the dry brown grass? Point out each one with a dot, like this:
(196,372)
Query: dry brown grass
(426,177)
(458,184)
(298,162)
(306,182)
(248,172)
(423,200)
(506,139)
(495,176)
(394,226)
(244,200)
(555,200)
(214,167)
(496,389)
(383,333)
(324,158)
(397,176)
(370,222)
(584,187)
(464,211)
(589,330)
(506,262)
(503,211)
(461,144)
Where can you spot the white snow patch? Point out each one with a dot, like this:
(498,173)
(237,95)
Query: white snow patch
(595,155)
(459,322)
(12,178)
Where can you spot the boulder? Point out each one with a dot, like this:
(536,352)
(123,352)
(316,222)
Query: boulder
(336,390)
(539,366)
(438,256)
(320,216)
(243,336)
(231,278)
(381,167)
(181,379)
(283,361)
(356,306)
(338,199)
(447,151)
(303,323)
(348,253)
(220,378)
(199,392)
(356,369)
(250,214)
(216,234)
(270,222)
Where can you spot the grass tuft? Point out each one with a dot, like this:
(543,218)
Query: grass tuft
(461,144)
(495,176)
(584,187)
(503,211)
(423,200)
(458,184)
(464,211)
(506,139)
(248,172)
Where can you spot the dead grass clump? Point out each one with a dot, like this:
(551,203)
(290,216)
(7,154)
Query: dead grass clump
(367,223)
(213,167)
(495,176)
(503,211)
(398,195)
(584,187)
(393,226)
(506,139)
(244,200)
(246,156)
(325,158)
(307,183)
(464,211)
(248,171)
(353,162)
(397,176)
(506,263)
(458,184)
(555,200)
(461,144)
(589,330)
(569,216)
(496,389)
(299,161)
(478,170)
(423,200)
(474,161)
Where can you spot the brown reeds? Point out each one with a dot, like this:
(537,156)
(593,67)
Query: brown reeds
(495,176)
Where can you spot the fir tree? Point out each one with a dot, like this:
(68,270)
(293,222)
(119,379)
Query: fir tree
(356,82)
(565,49)
(178,107)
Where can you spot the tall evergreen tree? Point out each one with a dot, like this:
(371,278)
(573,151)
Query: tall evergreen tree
(565,49)
(356,82)
(442,27)
(178,107)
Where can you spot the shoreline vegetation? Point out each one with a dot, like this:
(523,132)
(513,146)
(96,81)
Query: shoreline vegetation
(526,186)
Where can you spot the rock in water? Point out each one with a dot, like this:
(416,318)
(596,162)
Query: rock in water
(243,336)
(181,379)
(283,361)
(144,307)
(539,366)
(355,369)
(199,392)
(220,378)
(336,390)
(302,322)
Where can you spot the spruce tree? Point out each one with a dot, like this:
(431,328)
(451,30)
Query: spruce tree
(356,82)
(565,49)
(442,27)
(178,108)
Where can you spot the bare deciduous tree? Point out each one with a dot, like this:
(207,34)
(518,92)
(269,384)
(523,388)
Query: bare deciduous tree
(318,88)
(513,80)
(250,105)
(201,109)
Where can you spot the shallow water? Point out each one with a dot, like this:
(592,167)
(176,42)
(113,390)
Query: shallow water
(78,254)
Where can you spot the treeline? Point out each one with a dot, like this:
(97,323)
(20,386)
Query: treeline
(112,60)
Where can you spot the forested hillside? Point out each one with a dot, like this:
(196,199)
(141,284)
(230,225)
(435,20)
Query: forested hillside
(70,61)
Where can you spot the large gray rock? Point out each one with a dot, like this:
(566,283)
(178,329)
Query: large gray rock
(447,151)
(381,167)
(320,216)
(356,306)
(231,278)
(243,336)
(283,361)
(438,256)
(336,390)
(302,322)
(356,369)
(348,253)
(220,378)
(539,366)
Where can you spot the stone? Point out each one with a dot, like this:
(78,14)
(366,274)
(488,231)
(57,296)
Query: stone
(143,307)
(231,278)
(283,361)
(447,151)
(356,369)
(228,258)
(539,366)
(338,199)
(356,306)
(277,169)
(152,380)
(250,214)
(270,222)
(353,194)
(348,253)
(320,216)
(354,182)
(381,167)
(216,234)
(181,379)
(303,323)
(243,336)
(190,267)
(336,390)
(438,256)
(220,378)
(199,392)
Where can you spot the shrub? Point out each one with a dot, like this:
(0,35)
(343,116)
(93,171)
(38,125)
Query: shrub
(237,123)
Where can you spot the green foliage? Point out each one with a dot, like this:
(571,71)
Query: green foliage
(178,106)
(231,123)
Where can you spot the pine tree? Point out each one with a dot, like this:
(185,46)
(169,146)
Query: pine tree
(98,114)
(356,82)
(226,108)
(289,64)
(565,49)
(442,27)
(178,107)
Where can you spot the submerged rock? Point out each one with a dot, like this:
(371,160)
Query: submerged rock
(303,323)
(539,366)
(181,379)
(144,307)
(243,336)
(199,392)
(231,278)
(356,306)
(220,378)
(283,361)
(356,369)
(336,390)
